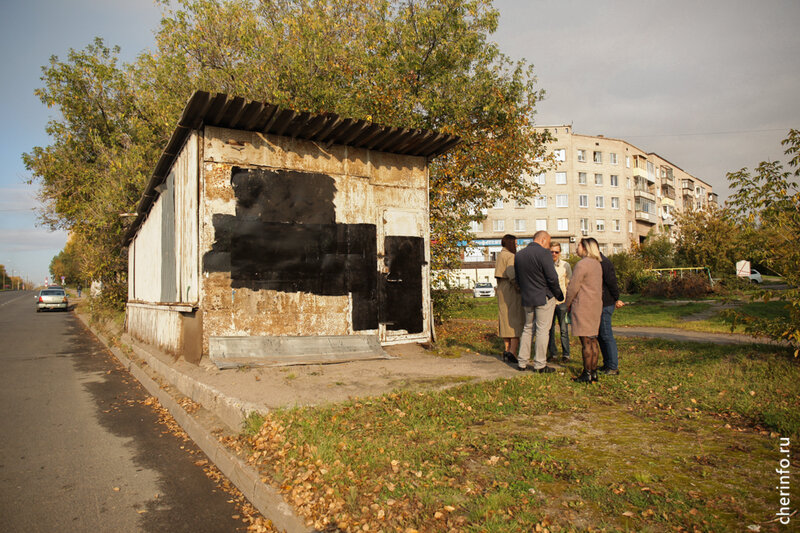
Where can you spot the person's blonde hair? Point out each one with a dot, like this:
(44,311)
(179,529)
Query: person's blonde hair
(592,248)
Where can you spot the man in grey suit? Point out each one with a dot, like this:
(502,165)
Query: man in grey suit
(538,282)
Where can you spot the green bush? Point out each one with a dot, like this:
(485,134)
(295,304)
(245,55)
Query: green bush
(632,273)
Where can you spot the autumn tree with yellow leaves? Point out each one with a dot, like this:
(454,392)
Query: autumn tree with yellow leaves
(426,64)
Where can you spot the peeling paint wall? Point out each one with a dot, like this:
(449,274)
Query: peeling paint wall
(302,239)
(154,325)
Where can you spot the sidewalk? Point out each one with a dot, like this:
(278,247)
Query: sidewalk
(210,403)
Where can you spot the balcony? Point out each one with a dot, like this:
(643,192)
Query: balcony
(668,191)
(643,216)
(667,201)
(639,172)
(713,198)
(644,194)
(688,201)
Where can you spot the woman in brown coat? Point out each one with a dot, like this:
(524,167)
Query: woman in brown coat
(509,301)
(585,304)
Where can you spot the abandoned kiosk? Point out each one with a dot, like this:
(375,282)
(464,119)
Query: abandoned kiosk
(269,233)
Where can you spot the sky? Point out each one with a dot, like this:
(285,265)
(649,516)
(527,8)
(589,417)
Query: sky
(711,86)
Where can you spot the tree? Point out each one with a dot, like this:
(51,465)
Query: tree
(768,202)
(103,148)
(710,237)
(417,64)
(67,264)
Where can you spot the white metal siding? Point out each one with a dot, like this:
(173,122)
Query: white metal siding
(163,257)
(147,257)
(161,327)
(186,217)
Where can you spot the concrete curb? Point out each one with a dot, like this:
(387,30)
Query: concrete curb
(265,498)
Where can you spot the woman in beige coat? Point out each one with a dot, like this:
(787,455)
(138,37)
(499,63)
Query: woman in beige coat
(585,304)
(509,301)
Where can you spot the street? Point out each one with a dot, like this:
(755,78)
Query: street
(79,449)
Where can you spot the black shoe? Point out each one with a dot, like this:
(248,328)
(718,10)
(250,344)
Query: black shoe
(565,359)
(546,370)
(609,372)
(510,357)
(521,368)
(593,373)
(585,377)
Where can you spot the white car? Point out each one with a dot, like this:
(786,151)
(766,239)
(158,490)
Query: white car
(755,276)
(483,290)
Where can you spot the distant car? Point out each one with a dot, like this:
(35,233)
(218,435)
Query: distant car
(483,290)
(51,298)
(755,276)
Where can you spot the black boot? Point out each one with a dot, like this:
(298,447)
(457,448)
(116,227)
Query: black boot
(593,374)
(585,377)
(510,357)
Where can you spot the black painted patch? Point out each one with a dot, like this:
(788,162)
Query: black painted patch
(284,237)
(401,294)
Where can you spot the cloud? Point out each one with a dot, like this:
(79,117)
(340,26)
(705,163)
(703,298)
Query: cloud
(31,240)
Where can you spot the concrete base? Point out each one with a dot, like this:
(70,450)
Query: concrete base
(231,352)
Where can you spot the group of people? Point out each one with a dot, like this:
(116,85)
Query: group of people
(537,288)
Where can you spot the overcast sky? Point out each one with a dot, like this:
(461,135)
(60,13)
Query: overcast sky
(711,85)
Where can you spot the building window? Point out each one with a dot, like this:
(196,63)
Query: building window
(627,161)
(519,224)
(598,157)
(581,178)
(630,226)
(600,202)
(614,179)
(615,224)
(562,200)
(600,224)
(603,249)
(539,179)
(612,158)
(584,225)
(598,179)
(540,202)
(541,224)
(476,227)
(518,204)
(561,178)
(498,225)
(617,248)
(560,154)
(583,200)
(581,156)
(614,202)
(498,204)
(629,204)
(563,224)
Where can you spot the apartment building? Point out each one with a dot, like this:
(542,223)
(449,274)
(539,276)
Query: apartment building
(600,187)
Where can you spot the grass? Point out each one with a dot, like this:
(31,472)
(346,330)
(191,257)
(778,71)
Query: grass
(640,312)
(684,439)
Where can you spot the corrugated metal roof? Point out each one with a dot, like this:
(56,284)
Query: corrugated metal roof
(235,112)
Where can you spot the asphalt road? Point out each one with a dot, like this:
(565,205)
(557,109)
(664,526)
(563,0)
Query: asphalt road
(79,450)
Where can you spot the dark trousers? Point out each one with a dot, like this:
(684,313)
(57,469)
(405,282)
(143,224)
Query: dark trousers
(560,314)
(608,344)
